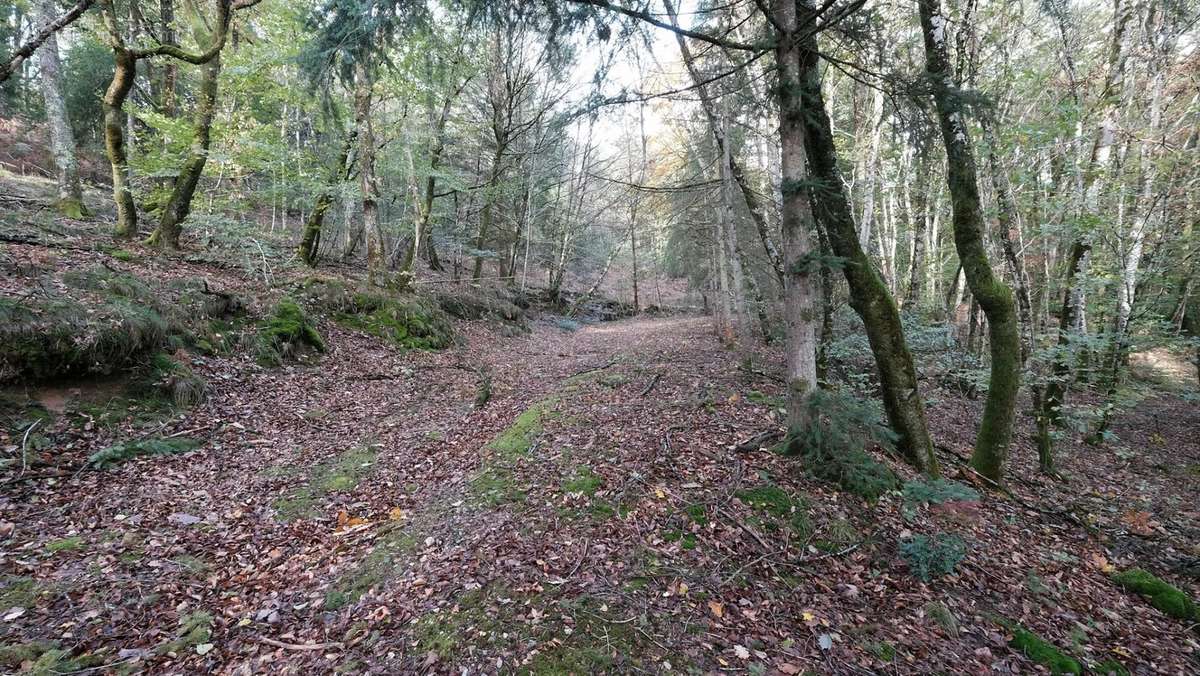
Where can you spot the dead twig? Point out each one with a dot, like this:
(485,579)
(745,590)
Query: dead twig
(301,646)
(591,369)
(653,382)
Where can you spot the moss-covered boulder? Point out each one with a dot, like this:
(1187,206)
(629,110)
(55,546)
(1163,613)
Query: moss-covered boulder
(287,333)
(407,320)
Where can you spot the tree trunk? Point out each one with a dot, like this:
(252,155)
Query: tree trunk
(797,216)
(368,184)
(869,295)
(62,140)
(114,141)
(179,205)
(310,240)
(993,295)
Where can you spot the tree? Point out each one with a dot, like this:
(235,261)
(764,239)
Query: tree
(869,294)
(125,69)
(992,294)
(62,139)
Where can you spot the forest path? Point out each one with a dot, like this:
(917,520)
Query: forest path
(362,487)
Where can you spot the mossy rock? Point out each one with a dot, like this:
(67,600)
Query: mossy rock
(287,334)
(408,322)
(1041,651)
(1166,597)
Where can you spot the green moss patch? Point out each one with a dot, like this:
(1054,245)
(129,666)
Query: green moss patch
(518,438)
(390,552)
(119,453)
(772,501)
(286,334)
(1167,598)
(584,481)
(336,475)
(19,591)
(1041,651)
(68,544)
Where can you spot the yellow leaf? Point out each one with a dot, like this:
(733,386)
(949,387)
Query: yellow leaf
(808,617)
(716,608)
(683,588)
(396,514)
(660,493)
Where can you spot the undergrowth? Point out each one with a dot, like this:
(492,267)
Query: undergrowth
(119,453)
(832,445)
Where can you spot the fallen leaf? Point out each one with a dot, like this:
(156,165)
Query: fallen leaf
(742,652)
(716,608)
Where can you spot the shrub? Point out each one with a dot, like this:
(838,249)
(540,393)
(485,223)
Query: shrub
(286,333)
(930,557)
(1167,598)
(119,453)
(831,445)
(937,492)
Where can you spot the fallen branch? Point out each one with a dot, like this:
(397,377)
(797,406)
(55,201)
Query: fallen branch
(653,382)
(758,441)
(301,646)
(590,369)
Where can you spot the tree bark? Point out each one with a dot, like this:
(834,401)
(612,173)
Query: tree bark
(368,183)
(869,295)
(993,295)
(310,240)
(797,220)
(62,140)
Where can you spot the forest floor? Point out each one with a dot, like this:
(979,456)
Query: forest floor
(362,513)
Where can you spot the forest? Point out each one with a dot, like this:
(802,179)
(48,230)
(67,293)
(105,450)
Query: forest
(600,336)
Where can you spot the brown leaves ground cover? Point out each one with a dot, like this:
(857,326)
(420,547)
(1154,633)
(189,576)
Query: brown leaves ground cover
(363,515)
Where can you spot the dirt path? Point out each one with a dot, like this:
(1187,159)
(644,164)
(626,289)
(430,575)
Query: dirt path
(366,516)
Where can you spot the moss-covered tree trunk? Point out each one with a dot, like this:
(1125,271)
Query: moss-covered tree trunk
(114,141)
(179,205)
(869,295)
(992,294)
(310,239)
